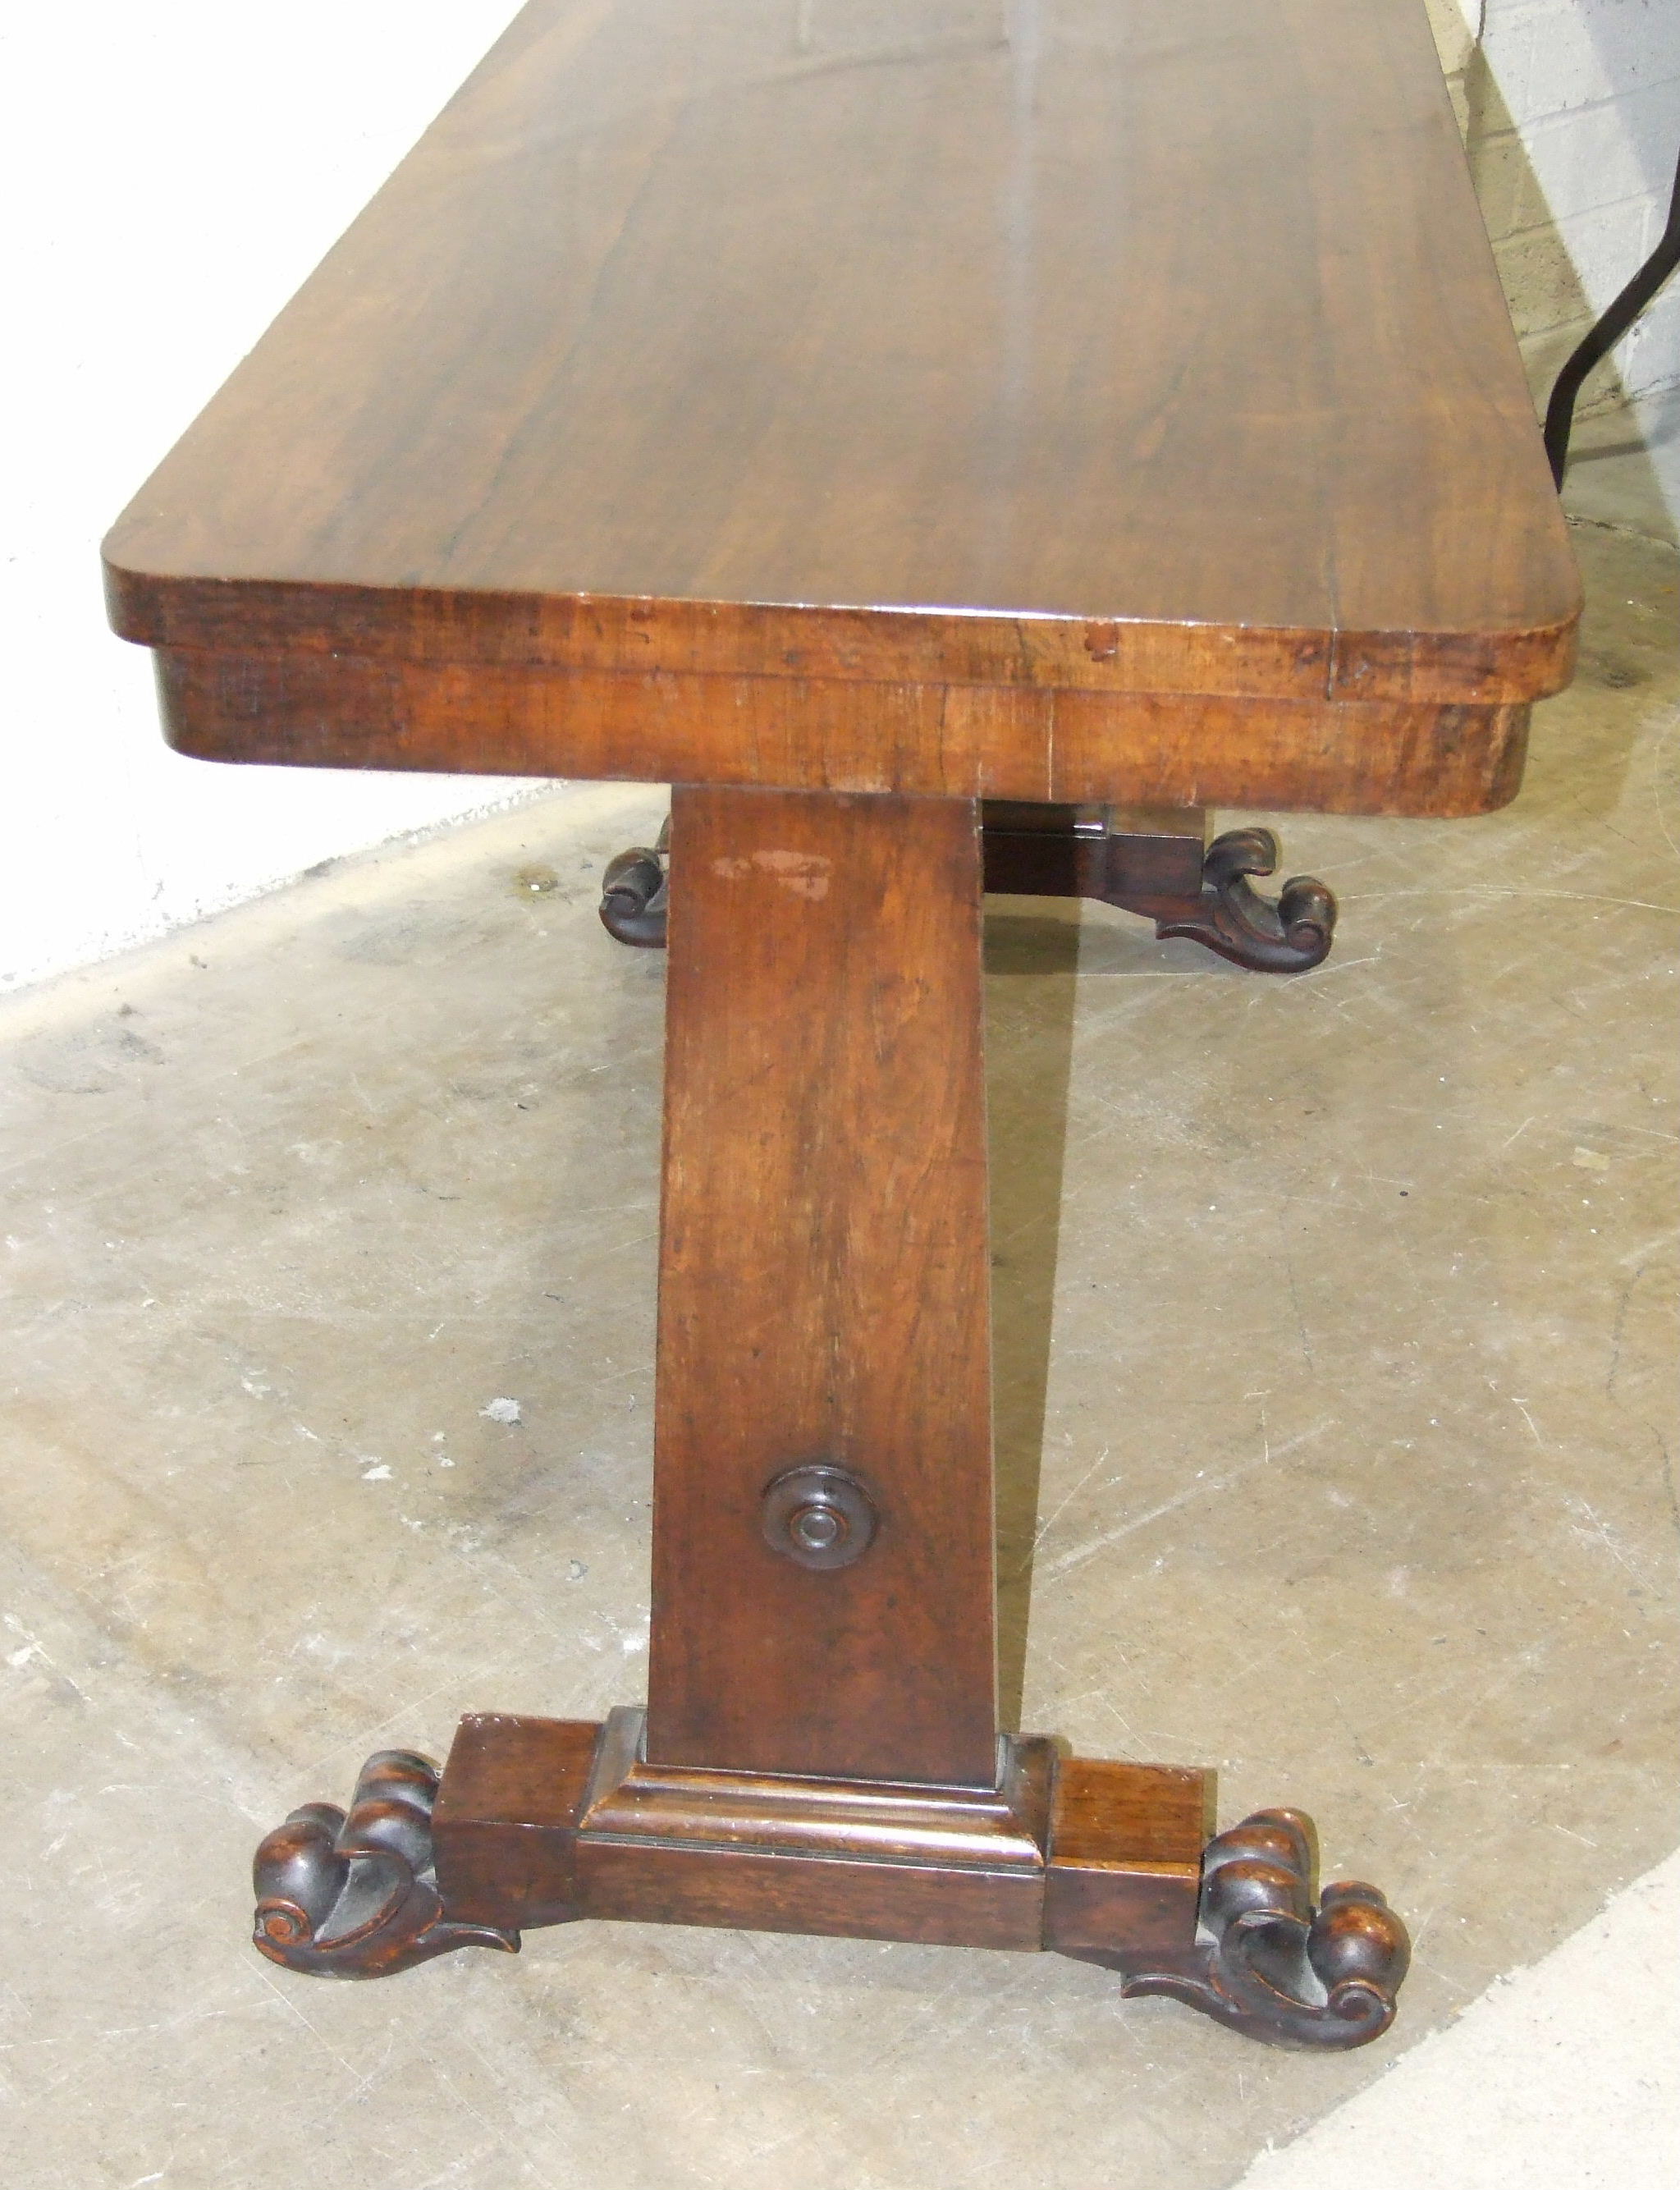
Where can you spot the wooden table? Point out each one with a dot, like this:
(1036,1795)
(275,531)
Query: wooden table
(851,412)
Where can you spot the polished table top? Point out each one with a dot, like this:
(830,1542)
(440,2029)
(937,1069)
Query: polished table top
(1089,350)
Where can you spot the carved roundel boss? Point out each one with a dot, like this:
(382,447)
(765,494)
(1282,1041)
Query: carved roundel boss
(818,1517)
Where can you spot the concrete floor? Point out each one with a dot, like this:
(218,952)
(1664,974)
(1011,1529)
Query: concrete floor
(1334,1321)
(1624,466)
(1564,2076)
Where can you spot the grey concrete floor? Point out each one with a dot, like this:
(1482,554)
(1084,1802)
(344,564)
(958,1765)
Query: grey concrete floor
(1335,1320)
(1564,2075)
(1624,467)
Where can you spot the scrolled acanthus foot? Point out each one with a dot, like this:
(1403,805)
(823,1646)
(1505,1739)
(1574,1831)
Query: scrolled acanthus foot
(353,1895)
(635,894)
(1287,937)
(1278,1968)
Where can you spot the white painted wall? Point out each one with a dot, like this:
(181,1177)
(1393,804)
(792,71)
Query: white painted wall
(1571,114)
(171,172)
(174,171)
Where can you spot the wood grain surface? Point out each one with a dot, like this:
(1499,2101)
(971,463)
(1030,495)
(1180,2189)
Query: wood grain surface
(1102,348)
(1125,1846)
(541,1822)
(991,1829)
(966,741)
(824,1291)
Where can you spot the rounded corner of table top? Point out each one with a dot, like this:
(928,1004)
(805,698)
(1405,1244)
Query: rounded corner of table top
(121,585)
(371,550)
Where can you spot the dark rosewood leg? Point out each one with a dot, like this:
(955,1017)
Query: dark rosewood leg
(353,1895)
(1158,864)
(542,1821)
(1282,1963)
(823,1296)
(820,1750)
(634,893)
(1154,864)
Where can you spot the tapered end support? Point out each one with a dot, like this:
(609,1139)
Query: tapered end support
(354,1894)
(1282,1963)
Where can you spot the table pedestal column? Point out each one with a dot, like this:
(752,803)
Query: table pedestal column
(820,1750)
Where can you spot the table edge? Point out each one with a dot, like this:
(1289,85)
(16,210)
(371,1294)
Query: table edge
(877,644)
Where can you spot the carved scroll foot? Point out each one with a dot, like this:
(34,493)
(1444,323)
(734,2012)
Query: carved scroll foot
(1230,918)
(1278,1968)
(635,894)
(1067,851)
(356,1896)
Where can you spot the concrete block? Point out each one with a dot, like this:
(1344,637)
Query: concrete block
(1642,365)
(1599,155)
(1553,273)
(1554,56)
(1506,189)
(1608,245)
(1542,286)
(1461,105)
(1454,37)
(1651,354)
(1544,59)
(1544,355)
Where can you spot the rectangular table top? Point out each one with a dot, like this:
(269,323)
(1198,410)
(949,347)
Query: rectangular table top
(1129,347)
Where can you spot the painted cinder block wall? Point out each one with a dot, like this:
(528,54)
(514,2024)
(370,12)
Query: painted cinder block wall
(1570,110)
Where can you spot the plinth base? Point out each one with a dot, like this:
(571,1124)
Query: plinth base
(545,1821)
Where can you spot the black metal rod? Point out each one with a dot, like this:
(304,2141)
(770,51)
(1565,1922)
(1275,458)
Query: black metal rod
(1605,332)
